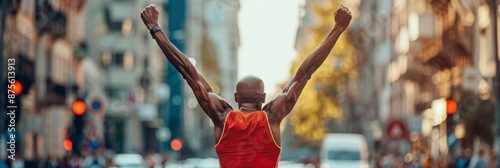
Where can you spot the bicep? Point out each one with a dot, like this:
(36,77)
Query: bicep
(283,104)
(294,88)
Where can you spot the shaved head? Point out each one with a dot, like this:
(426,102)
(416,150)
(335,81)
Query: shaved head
(250,89)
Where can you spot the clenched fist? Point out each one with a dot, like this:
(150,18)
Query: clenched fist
(342,17)
(149,16)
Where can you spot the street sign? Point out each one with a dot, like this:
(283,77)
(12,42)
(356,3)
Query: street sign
(96,102)
(396,130)
(93,141)
(96,105)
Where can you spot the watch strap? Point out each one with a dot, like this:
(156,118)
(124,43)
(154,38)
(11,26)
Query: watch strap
(154,30)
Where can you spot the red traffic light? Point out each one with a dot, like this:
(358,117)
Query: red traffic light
(67,144)
(176,145)
(451,106)
(79,107)
(16,88)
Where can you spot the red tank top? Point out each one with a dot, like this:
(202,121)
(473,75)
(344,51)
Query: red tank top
(247,141)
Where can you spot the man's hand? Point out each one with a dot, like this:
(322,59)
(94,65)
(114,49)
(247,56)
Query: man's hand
(342,17)
(149,16)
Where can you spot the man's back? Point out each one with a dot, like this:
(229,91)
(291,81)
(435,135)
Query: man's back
(247,141)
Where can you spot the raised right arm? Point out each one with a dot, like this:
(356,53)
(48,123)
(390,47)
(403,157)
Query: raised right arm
(212,104)
(281,106)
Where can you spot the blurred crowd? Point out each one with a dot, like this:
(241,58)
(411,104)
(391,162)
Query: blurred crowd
(93,160)
(480,159)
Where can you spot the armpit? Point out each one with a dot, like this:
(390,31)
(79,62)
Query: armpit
(218,103)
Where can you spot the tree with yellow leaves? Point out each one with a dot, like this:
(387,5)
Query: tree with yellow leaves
(318,102)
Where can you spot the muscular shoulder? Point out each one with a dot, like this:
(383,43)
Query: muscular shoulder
(277,106)
(218,103)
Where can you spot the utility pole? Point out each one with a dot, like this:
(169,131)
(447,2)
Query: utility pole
(496,82)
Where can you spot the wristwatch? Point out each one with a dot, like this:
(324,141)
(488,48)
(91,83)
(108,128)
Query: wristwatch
(153,31)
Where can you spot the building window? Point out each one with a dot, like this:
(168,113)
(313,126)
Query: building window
(127,27)
(128,60)
(106,58)
(114,26)
(118,56)
(119,59)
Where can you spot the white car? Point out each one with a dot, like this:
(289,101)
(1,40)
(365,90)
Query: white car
(208,163)
(128,161)
(344,151)
(289,164)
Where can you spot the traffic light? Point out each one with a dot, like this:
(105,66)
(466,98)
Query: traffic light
(15,87)
(451,106)
(67,143)
(78,125)
(79,107)
(176,145)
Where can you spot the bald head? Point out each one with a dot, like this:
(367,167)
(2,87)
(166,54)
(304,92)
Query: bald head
(250,89)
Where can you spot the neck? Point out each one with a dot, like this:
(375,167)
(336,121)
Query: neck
(249,107)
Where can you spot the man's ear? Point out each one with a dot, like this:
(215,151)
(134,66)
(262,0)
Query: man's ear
(263,97)
(236,97)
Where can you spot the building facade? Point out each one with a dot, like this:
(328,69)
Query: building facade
(419,55)
(42,36)
(131,67)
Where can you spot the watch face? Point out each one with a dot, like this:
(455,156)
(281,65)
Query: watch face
(154,30)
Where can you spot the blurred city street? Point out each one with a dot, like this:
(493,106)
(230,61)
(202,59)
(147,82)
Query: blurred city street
(409,84)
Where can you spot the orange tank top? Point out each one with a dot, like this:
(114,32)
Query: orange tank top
(247,141)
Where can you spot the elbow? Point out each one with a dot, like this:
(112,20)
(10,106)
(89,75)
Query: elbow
(308,75)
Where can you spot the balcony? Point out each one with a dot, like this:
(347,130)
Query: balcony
(407,67)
